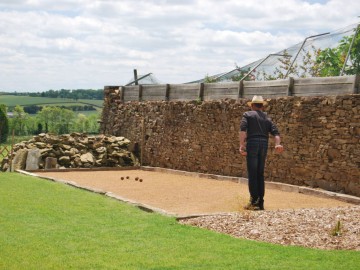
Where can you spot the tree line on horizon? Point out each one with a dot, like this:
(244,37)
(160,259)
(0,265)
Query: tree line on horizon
(53,119)
(74,94)
(50,119)
(34,109)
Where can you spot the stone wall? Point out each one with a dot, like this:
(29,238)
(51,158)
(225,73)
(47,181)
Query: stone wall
(321,136)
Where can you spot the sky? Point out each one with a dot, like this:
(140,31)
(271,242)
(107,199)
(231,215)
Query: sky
(87,44)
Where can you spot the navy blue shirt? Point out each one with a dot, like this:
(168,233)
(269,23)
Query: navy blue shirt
(257,125)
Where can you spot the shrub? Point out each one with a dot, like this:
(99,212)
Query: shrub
(4,124)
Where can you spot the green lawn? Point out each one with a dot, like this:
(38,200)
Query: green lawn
(47,225)
(11,101)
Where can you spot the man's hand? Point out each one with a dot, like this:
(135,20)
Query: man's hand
(279,149)
(242,150)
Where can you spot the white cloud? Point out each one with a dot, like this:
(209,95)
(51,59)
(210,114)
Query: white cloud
(92,43)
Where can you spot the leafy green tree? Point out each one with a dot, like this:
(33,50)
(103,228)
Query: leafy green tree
(241,75)
(320,63)
(56,120)
(18,122)
(31,125)
(66,119)
(331,60)
(81,123)
(309,66)
(281,70)
(209,79)
(4,124)
(39,128)
(44,118)
(88,124)
(94,125)
(65,93)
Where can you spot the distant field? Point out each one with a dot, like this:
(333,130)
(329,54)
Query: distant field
(12,101)
(87,113)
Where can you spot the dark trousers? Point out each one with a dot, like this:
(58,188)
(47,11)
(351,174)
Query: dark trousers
(256,156)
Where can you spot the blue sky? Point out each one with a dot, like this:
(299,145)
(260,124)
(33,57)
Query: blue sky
(91,43)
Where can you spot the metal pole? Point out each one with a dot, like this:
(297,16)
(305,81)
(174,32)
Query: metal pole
(12,150)
(135,77)
(272,54)
(222,75)
(142,141)
(142,77)
(348,54)
(302,45)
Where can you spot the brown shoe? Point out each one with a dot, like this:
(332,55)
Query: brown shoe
(252,207)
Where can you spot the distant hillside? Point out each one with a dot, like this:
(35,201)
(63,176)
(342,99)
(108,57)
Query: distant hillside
(33,105)
(63,93)
(11,101)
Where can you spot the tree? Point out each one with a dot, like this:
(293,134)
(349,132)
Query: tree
(241,74)
(282,69)
(81,123)
(320,63)
(309,66)
(18,122)
(39,128)
(66,119)
(56,120)
(31,125)
(4,124)
(88,124)
(331,60)
(44,117)
(94,125)
(209,79)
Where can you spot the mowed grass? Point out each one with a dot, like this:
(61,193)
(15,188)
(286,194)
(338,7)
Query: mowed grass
(47,225)
(11,101)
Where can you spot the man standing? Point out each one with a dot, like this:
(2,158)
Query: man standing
(255,127)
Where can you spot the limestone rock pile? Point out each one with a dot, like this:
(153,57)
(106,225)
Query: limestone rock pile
(71,151)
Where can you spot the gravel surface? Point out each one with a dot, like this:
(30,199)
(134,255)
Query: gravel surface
(185,195)
(313,228)
(310,222)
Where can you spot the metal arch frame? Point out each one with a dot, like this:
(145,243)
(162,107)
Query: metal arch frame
(138,79)
(302,45)
(272,54)
(348,54)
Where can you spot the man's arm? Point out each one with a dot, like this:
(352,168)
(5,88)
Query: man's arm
(278,147)
(242,148)
(243,134)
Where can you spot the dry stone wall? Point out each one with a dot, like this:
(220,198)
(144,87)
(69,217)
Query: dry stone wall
(321,136)
(74,150)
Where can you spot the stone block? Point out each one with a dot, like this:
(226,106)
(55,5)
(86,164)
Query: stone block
(87,158)
(19,161)
(50,163)
(333,153)
(33,159)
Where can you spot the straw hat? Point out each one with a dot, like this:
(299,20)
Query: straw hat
(258,100)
